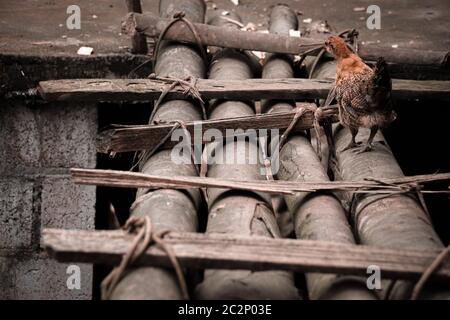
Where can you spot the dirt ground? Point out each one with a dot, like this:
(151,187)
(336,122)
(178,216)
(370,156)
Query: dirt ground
(35,27)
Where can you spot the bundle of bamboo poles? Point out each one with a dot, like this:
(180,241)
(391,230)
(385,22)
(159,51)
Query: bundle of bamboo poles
(371,193)
(168,208)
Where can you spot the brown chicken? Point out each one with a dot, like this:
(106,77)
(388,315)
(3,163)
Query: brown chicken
(363,93)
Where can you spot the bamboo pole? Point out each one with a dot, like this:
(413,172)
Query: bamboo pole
(396,221)
(318,216)
(282,19)
(169,209)
(236,212)
(315,216)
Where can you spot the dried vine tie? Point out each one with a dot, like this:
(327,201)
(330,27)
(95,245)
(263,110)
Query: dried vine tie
(189,86)
(300,112)
(142,227)
(319,115)
(401,189)
(428,272)
(179,16)
(145,156)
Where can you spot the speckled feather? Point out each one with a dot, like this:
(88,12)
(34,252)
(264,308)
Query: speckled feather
(363,93)
(362,102)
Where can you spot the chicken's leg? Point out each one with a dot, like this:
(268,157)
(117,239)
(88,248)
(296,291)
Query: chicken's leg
(352,144)
(368,146)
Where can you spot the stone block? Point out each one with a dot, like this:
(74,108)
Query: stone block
(16,213)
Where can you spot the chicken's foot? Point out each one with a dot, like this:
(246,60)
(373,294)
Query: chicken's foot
(368,146)
(352,144)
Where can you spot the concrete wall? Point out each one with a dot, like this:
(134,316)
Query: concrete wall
(38,143)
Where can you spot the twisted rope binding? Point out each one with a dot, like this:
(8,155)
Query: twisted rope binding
(180,16)
(429,271)
(141,226)
(189,86)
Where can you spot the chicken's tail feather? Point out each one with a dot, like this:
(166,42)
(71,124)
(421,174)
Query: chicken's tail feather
(382,85)
(382,78)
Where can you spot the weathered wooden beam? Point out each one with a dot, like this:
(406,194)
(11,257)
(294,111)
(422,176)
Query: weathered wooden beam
(219,251)
(138,41)
(168,209)
(127,179)
(251,89)
(282,20)
(238,212)
(147,90)
(406,56)
(152,26)
(211,35)
(318,216)
(146,137)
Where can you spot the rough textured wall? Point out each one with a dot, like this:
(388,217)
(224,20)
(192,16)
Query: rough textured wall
(37,146)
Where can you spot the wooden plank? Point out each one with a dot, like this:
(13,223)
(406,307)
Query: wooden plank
(214,251)
(251,89)
(127,179)
(146,137)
